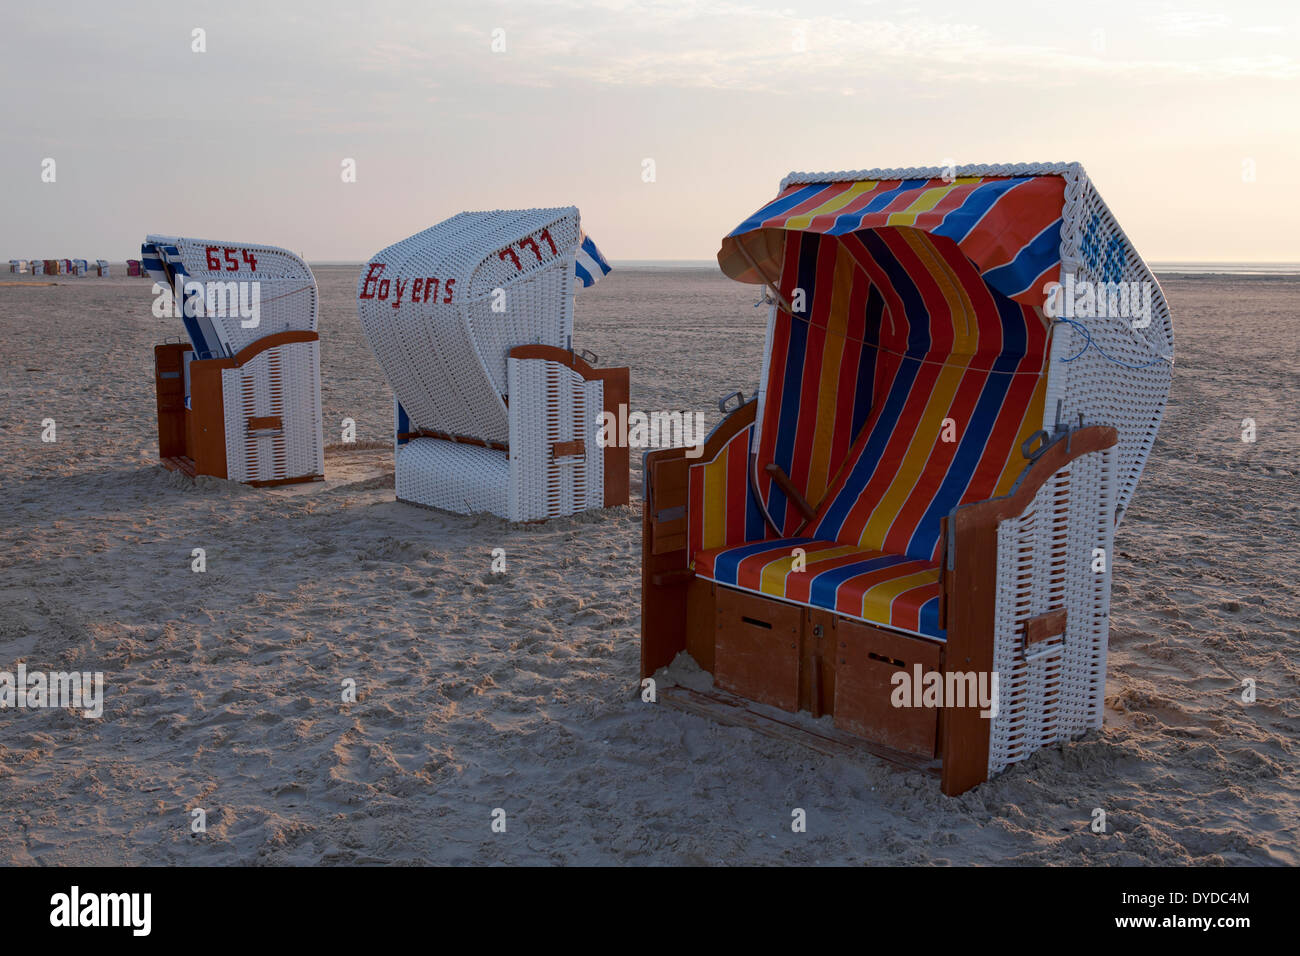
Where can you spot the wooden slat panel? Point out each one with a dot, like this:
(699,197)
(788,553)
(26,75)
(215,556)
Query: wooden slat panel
(1040,628)
(757,648)
(664,578)
(169,384)
(258,423)
(666,513)
(567,449)
(701,621)
(207,419)
(868,658)
(817,662)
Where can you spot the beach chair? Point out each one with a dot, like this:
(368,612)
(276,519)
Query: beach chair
(102,268)
(472,323)
(80,267)
(241,399)
(963,376)
(133,268)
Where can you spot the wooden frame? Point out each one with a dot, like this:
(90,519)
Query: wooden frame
(665,567)
(681,612)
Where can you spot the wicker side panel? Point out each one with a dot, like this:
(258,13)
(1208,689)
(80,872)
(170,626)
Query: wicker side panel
(1055,689)
(1130,389)
(552,405)
(466,479)
(281,383)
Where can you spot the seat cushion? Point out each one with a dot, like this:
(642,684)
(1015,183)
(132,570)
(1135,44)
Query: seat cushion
(880,588)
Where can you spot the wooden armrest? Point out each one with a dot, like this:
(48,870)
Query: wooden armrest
(1053,458)
(785,484)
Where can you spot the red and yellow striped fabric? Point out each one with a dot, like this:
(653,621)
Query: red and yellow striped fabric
(883,588)
(960,384)
(721,509)
(1009,227)
(820,377)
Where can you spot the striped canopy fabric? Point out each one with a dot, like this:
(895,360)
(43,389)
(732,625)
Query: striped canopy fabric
(590,266)
(1009,227)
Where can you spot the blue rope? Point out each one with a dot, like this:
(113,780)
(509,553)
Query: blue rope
(1089,343)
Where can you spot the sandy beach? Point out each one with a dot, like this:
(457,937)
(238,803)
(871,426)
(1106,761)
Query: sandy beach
(519,691)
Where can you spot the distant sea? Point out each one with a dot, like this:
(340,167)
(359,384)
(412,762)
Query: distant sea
(1226,268)
(1160,268)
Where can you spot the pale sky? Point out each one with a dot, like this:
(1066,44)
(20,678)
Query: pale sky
(1169,105)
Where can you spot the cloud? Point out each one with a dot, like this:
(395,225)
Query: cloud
(740,47)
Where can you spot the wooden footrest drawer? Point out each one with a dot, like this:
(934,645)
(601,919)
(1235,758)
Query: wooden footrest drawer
(866,661)
(756,652)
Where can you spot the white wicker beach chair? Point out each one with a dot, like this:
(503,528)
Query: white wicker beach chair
(472,323)
(964,374)
(241,399)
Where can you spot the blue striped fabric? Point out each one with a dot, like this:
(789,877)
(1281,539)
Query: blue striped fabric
(163,264)
(591,265)
(1010,226)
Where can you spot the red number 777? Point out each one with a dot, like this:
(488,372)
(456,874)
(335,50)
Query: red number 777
(528,242)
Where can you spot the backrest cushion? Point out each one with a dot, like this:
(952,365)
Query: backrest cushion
(959,386)
(819,379)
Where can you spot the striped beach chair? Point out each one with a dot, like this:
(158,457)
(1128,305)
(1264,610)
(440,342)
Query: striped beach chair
(241,399)
(472,323)
(963,376)
(80,267)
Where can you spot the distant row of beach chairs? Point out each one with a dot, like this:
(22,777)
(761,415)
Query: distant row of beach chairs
(71,267)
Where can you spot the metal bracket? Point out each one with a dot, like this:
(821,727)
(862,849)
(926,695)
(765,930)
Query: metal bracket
(1040,436)
(722,402)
